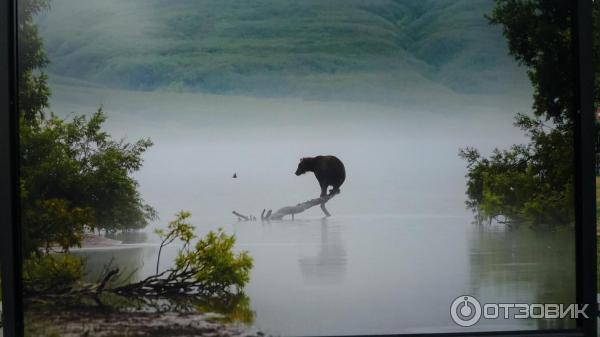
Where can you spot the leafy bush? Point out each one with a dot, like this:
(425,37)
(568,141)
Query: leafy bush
(178,229)
(51,273)
(215,264)
(210,266)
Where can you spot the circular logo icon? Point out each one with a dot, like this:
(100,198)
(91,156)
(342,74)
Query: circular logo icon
(465,310)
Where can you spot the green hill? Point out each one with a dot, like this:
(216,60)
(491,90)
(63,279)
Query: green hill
(317,49)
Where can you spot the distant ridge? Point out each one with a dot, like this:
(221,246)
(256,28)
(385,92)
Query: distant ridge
(353,49)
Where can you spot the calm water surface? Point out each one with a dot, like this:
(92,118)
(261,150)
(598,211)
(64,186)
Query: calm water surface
(386,274)
(400,246)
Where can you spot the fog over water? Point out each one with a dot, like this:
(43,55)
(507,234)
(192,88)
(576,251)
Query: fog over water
(392,88)
(400,245)
(399,160)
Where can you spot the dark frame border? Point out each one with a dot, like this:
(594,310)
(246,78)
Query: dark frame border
(585,192)
(9,212)
(586,258)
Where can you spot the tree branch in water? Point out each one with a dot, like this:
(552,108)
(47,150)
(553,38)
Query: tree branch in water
(292,210)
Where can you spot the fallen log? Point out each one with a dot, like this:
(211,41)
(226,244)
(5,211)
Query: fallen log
(301,207)
(241,216)
(292,210)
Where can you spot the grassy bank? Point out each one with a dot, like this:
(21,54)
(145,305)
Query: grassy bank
(341,48)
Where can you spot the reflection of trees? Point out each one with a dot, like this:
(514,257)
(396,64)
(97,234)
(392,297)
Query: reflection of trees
(232,308)
(330,263)
(129,261)
(129,236)
(235,308)
(525,266)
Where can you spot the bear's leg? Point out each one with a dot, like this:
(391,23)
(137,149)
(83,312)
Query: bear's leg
(335,190)
(323,189)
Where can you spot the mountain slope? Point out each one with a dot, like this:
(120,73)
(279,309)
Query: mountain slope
(311,48)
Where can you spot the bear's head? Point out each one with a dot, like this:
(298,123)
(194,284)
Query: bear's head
(304,166)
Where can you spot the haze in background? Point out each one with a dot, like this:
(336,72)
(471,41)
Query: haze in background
(393,88)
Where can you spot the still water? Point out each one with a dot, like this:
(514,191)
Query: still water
(384,274)
(400,246)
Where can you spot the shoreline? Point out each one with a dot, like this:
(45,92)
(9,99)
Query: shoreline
(102,323)
(94,242)
(108,321)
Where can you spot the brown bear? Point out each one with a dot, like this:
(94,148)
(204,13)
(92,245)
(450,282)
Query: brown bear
(329,171)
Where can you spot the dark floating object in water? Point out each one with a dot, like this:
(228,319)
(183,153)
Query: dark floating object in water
(234,175)
(242,217)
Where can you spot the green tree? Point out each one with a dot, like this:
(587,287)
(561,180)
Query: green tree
(530,183)
(533,183)
(539,37)
(33,88)
(73,174)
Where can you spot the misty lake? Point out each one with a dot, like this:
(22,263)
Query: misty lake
(400,246)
